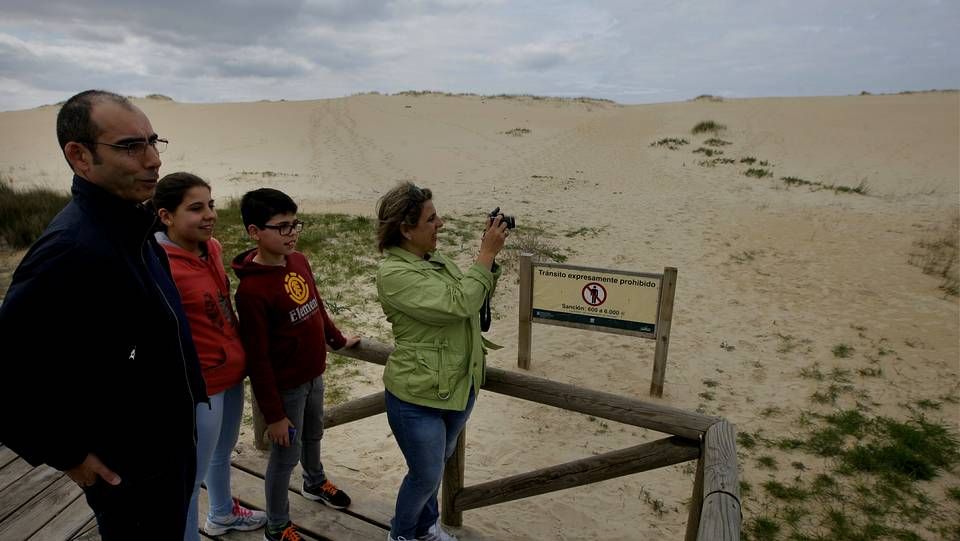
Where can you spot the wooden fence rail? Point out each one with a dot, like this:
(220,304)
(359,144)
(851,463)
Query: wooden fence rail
(715,503)
(636,459)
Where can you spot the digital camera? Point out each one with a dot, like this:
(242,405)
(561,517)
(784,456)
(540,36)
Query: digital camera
(509,220)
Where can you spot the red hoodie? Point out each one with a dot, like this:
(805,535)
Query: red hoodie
(284,326)
(205,293)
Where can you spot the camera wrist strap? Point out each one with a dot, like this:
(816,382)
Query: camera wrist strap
(485,314)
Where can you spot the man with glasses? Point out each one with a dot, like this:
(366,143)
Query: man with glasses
(104,382)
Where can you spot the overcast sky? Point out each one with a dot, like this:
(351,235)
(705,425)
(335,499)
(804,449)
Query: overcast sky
(630,51)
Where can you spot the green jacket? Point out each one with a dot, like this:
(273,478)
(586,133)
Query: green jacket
(435,312)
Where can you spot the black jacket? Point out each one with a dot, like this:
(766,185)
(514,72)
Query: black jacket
(97,353)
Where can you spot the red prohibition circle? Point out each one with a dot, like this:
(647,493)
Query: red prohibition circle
(588,296)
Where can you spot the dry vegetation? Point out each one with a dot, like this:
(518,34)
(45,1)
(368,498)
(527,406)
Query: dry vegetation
(936,254)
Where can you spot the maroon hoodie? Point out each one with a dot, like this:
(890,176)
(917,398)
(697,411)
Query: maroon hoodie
(284,327)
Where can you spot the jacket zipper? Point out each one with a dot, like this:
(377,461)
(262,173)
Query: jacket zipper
(183,358)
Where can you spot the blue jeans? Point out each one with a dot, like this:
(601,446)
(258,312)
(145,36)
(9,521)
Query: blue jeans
(427,437)
(304,407)
(218,426)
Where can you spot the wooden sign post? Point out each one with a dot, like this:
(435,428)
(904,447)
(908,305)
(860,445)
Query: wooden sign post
(604,300)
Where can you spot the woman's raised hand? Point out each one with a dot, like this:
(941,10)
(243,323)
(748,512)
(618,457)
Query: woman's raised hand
(492,242)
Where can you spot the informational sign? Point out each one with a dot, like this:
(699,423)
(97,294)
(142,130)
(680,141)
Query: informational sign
(614,301)
(605,300)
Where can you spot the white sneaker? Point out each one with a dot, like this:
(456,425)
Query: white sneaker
(436,533)
(240,519)
(392,538)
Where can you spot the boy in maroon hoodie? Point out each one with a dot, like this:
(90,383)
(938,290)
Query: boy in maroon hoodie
(285,330)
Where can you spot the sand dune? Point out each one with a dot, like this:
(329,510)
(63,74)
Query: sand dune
(771,277)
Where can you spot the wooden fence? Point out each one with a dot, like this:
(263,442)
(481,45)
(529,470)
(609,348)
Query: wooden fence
(714,512)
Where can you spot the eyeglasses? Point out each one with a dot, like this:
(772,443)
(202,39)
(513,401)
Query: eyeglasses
(287,228)
(138,148)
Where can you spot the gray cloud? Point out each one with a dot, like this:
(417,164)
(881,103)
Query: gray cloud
(627,50)
(180,22)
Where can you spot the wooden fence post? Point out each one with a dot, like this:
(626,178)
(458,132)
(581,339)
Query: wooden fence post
(721,515)
(696,501)
(667,289)
(453,483)
(525,334)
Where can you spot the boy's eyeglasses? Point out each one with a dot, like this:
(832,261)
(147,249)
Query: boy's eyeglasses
(287,228)
(137,148)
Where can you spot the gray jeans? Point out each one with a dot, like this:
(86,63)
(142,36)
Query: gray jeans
(304,407)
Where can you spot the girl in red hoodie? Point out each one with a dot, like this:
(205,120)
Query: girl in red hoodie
(187,216)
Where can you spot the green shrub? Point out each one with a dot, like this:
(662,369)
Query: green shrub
(24,214)
(708,126)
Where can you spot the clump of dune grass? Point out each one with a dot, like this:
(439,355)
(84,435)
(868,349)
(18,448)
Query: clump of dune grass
(24,214)
(673,143)
(744,257)
(861,188)
(707,151)
(749,160)
(758,172)
(788,343)
(517,132)
(715,162)
(708,126)
(715,142)
(418,93)
(842,351)
(936,254)
(796,181)
(591,232)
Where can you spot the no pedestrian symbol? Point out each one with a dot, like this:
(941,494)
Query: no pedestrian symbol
(594,294)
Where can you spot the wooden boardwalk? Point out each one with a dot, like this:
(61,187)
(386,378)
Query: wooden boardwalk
(43,504)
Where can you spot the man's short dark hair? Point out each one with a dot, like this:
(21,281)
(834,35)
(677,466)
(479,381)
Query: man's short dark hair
(258,206)
(73,120)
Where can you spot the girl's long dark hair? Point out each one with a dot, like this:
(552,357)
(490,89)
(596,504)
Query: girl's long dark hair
(171,189)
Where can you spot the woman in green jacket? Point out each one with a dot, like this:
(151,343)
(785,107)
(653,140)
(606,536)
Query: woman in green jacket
(434,373)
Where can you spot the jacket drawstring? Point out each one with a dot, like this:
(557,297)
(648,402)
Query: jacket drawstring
(443,386)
